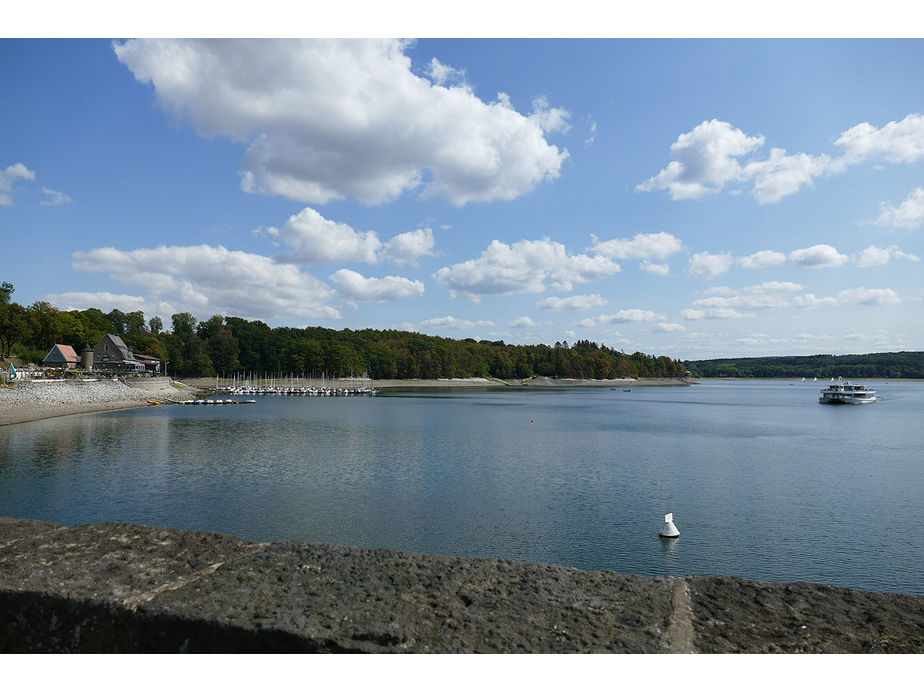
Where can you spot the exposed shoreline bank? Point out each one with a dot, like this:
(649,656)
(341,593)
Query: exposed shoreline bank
(115,587)
(36,400)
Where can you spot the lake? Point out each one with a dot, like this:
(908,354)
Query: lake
(764,482)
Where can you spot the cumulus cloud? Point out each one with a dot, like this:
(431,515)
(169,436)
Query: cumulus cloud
(762,258)
(670,327)
(783,174)
(522,268)
(208,280)
(316,239)
(662,270)
(715,313)
(750,301)
(821,255)
(874,255)
(330,119)
(708,159)
(627,315)
(710,265)
(812,301)
(8,177)
(406,247)
(356,287)
(456,323)
(875,297)
(526,321)
(644,245)
(897,142)
(579,302)
(908,215)
(106,301)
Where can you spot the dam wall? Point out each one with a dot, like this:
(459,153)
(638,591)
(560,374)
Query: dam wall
(123,588)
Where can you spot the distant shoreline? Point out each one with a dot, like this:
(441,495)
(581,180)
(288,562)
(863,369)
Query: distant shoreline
(17,407)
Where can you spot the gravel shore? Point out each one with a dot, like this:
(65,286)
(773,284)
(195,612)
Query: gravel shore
(34,400)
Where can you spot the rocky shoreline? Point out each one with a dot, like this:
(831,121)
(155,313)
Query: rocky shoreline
(116,587)
(41,399)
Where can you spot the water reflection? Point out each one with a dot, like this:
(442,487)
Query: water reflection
(470,474)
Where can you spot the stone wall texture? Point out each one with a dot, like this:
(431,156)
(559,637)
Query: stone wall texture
(112,587)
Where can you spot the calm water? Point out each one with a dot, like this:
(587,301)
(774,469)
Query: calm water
(763,481)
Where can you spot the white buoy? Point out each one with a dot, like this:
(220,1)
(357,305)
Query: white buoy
(669,529)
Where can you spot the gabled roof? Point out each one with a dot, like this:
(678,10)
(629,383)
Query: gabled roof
(62,352)
(117,343)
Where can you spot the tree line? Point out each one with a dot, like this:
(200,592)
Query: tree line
(225,345)
(901,364)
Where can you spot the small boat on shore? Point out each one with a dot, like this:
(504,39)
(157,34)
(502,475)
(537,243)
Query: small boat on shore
(841,391)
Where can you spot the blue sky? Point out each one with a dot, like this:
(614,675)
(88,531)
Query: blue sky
(695,198)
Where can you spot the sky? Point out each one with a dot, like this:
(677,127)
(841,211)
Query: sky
(698,198)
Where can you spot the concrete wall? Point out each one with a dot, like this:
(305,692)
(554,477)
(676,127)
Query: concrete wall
(126,588)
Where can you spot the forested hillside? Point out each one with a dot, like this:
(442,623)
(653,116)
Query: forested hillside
(902,364)
(226,345)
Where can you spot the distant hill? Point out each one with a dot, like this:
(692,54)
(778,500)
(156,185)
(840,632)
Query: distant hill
(901,364)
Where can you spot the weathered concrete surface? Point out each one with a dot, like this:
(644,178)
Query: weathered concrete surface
(126,588)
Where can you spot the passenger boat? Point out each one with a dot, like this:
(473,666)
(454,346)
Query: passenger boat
(841,391)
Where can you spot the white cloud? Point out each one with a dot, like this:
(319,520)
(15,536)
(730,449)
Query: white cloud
(710,265)
(548,118)
(748,301)
(644,245)
(356,287)
(876,297)
(441,74)
(821,255)
(53,198)
(627,315)
(206,280)
(579,302)
(706,160)
(896,142)
(407,247)
(812,301)
(8,177)
(328,119)
(762,258)
(316,239)
(527,321)
(775,286)
(655,268)
(908,215)
(456,323)
(106,301)
(670,327)
(783,174)
(523,267)
(874,255)
(721,313)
